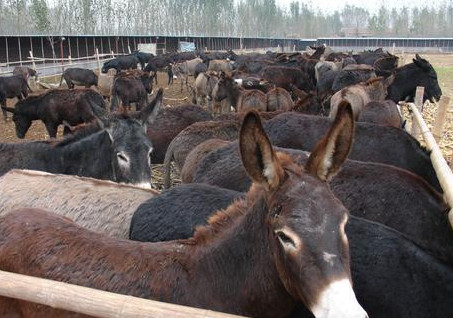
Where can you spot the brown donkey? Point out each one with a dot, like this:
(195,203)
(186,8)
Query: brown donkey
(283,243)
(359,95)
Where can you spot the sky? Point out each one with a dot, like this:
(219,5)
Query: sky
(372,6)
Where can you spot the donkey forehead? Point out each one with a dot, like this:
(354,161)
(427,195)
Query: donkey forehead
(130,134)
(309,200)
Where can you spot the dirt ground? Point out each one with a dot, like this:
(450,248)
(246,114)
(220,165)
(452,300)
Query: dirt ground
(173,96)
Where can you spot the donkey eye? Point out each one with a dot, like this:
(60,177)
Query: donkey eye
(284,238)
(122,157)
(276,211)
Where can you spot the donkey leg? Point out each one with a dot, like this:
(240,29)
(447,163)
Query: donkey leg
(52,129)
(5,116)
(3,105)
(66,130)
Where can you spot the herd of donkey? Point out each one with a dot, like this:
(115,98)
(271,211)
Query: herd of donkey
(308,200)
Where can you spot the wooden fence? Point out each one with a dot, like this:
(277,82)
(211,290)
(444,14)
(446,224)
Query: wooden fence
(420,128)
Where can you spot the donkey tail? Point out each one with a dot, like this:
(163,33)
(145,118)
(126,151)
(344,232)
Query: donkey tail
(167,164)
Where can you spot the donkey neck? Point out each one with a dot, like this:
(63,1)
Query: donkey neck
(30,108)
(406,81)
(235,263)
(88,157)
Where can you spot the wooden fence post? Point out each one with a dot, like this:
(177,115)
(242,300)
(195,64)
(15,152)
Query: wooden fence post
(418,103)
(129,49)
(113,54)
(97,60)
(403,59)
(441,115)
(69,59)
(32,60)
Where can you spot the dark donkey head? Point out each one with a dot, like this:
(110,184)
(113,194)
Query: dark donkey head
(304,221)
(132,147)
(226,88)
(125,144)
(24,113)
(408,77)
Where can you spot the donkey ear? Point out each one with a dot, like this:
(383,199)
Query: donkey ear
(150,112)
(257,154)
(331,151)
(389,80)
(422,63)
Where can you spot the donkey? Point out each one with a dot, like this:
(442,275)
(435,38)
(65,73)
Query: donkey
(186,69)
(384,112)
(378,192)
(259,236)
(282,76)
(131,89)
(10,87)
(408,77)
(278,99)
(192,136)
(26,72)
(203,89)
(116,148)
(98,205)
(352,74)
(245,99)
(79,76)
(373,143)
(194,157)
(361,94)
(168,123)
(385,264)
(56,107)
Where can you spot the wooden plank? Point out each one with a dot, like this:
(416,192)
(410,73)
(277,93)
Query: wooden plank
(93,302)
(441,115)
(415,131)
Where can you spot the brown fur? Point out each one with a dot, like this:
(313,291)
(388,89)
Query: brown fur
(185,142)
(381,113)
(194,157)
(278,99)
(251,99)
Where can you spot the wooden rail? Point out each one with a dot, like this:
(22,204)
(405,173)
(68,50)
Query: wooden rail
(93,302)
(443,171)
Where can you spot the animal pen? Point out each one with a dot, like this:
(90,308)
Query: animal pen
(71,52)
(105,304)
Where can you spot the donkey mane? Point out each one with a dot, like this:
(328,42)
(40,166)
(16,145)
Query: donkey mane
(28,104)
(223,219)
